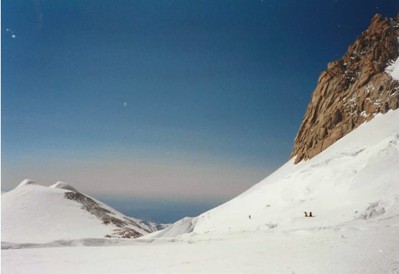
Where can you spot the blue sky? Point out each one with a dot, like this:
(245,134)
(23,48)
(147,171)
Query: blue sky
(175,100)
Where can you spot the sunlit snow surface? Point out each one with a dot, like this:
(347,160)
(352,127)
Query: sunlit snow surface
(33,213)
(353,180)
(352,189)
(393,69)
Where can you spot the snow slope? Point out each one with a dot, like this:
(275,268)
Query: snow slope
(355,181)
(32,213)
(352,189)
(326,251)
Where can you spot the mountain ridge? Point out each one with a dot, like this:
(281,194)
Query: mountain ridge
(352,90)
(334,181)
(33,213)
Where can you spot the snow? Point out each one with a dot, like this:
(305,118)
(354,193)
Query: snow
(393,69)
(345,251)
(26,182)
(32,213)
(63,185)
(351,188)
(182,226)
(338,186)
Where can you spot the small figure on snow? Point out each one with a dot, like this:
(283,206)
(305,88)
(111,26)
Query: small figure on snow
(249,216)
(310,214)
(306,214)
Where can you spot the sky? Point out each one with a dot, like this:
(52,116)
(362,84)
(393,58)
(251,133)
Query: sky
(179,102)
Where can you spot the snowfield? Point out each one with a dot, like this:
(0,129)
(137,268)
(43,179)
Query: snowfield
(33,213)
(352,189)
(353,181)
(367,250)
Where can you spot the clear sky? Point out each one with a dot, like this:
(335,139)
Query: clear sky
(181,101)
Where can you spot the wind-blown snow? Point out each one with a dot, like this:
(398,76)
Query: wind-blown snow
(63,185)
(393,69)
(26,182)
(351,188)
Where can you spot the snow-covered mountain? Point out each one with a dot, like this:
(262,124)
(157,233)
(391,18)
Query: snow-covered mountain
(344,181)
(352,90)
(353,182)
(351,187)
(33,213)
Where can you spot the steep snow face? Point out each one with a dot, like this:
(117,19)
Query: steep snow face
(352,182)
(393,70)
(32,213)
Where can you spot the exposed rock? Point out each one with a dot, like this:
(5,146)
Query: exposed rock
(123,230)
(352,90)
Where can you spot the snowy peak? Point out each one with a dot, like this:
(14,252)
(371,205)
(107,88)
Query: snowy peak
(33,213)
(62,185)
(353,89)
(27,182)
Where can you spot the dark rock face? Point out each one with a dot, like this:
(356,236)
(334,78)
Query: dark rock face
(88,204)
(352,90)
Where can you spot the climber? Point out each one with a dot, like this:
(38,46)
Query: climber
(310,214)
(306,214)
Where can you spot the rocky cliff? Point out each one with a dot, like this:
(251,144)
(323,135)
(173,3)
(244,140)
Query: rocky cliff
(352,90)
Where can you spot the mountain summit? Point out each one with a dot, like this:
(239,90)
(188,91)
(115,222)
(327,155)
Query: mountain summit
(33,213)
(352,90)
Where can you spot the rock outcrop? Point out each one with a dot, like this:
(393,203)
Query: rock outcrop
(106,216)
(352,90)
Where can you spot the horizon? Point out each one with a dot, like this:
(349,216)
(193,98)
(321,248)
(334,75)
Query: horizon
(179,105)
